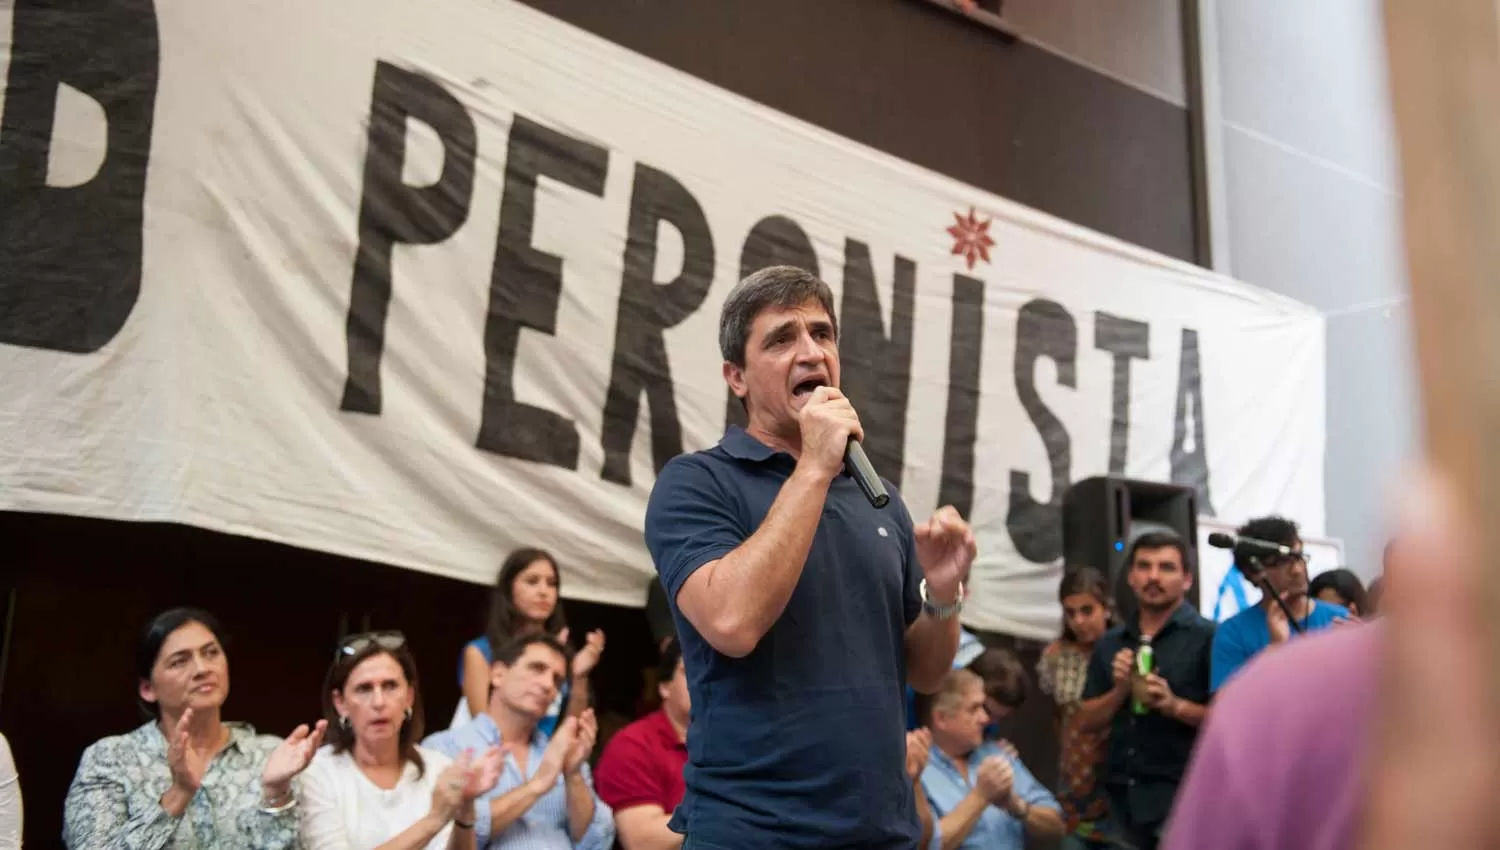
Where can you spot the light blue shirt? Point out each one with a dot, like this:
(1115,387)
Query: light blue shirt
(945,786)
(544,826)
(1241,637)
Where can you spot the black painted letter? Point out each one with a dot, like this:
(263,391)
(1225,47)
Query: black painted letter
(877,366)
(774,241)
(1189,440)
(1044,329)
(1125,339)
(391,212)
(646,310)
(70,256)
(961,424)
(524,290)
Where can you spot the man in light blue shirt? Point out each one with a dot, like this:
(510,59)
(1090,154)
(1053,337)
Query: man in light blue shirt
(982,797)
(545,797)
(1265,624)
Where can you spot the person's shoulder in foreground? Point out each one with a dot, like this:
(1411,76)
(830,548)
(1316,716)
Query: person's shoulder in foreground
(1278,765)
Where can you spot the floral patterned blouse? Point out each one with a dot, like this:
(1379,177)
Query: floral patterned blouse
(1061,672)
(115,799)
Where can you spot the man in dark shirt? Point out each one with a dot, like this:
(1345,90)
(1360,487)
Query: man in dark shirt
(802,609)
(1148,751)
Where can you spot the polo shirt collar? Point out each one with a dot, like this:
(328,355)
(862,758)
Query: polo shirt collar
(1183,615)
(665,731)
(738,444)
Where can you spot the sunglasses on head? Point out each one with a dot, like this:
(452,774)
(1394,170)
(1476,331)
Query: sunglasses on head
(355,644)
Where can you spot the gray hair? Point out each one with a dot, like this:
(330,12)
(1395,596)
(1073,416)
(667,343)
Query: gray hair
(772,286)
(951,691)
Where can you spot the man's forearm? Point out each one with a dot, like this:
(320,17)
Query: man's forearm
(578,697)
(1186,712)
(924,815)
(1040,821)
(735,600)
(580,806)
(1096,713)
(640,831)
(506,808)
(957,824)
(930,646)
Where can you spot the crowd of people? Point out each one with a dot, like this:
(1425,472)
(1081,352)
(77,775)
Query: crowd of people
(512,770)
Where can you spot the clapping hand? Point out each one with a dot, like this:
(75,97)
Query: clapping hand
(582,744)
(1009,749)
(554,758)
(1277,624)
(587,658)
(290,758)
(187,763)
(483,773)
(918,748)
(995,779)
(448,792)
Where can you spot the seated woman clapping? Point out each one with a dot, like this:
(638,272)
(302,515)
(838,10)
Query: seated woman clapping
(187,779)
(373,786)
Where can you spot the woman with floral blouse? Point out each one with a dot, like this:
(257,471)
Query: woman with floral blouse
(187,779)
(1084,594)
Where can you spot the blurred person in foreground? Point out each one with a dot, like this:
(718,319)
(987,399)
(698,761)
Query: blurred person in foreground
(187,778)
(1389,742)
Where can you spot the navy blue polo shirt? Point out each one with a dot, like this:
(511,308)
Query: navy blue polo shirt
(801,743)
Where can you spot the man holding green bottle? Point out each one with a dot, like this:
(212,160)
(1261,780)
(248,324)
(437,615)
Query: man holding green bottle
(1148,680)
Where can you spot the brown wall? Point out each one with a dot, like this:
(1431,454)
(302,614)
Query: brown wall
(930,87)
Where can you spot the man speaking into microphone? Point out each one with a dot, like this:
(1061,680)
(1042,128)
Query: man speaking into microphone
(801,608)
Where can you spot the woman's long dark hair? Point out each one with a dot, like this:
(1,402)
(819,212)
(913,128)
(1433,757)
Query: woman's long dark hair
(156,632)
(505,620)
(1084,580)
(341,738)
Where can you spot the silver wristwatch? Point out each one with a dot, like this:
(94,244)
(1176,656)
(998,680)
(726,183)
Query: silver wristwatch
(942,612)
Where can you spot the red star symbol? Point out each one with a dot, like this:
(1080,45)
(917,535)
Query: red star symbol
(971,237)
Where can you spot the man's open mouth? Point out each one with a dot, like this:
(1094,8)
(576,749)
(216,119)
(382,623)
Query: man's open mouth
(806,387)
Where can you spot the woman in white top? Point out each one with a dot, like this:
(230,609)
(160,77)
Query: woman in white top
(372,787)
(10,800)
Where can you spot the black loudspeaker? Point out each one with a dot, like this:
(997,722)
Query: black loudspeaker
(1102,516)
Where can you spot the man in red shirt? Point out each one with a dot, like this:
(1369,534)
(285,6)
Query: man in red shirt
(640,774)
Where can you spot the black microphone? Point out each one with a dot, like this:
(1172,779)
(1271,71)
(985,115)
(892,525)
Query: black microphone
(858,465)
(1220,540)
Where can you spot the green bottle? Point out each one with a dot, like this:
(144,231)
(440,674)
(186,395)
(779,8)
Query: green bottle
(1145,664)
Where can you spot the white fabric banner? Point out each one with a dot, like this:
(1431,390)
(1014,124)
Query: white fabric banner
(422,282)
